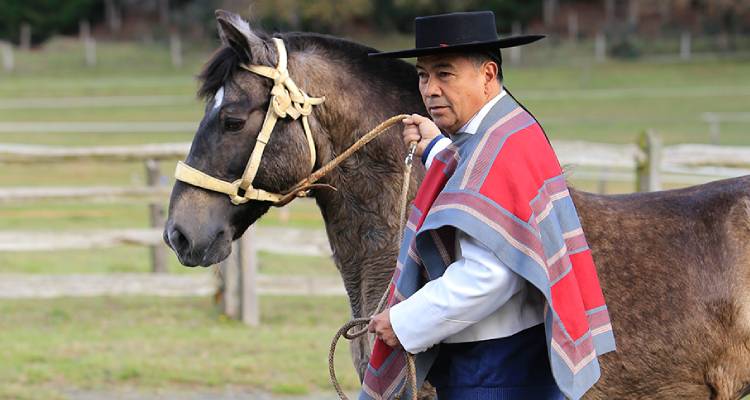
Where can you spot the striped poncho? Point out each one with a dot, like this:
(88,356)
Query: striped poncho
(503,186)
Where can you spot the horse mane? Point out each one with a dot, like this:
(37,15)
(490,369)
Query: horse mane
(378,72)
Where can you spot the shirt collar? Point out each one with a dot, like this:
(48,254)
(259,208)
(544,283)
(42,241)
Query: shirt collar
(473,124)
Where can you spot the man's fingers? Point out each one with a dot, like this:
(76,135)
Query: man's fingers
(412,137)
(418,119)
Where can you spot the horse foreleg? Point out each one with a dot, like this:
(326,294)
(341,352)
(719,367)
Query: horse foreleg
(361,348)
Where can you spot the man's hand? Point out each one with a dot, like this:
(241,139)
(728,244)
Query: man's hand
(421,130)
(380,325)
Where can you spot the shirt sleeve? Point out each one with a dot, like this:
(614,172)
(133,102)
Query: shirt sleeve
(472,287)
(435,148)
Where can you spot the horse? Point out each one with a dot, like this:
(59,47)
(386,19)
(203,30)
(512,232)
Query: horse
(674,265)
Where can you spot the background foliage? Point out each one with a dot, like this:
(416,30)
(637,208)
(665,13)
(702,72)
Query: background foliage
(47,17)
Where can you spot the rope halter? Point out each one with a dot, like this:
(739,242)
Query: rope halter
(287,100)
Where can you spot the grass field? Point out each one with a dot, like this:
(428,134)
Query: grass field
(51,345)
(153,343)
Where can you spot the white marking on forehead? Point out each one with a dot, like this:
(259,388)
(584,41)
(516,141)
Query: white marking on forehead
(219,97)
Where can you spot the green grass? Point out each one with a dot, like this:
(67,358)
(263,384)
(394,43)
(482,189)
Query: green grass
(177,343)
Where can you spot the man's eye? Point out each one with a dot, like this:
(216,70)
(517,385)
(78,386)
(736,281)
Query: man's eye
(233,124)
(444,74)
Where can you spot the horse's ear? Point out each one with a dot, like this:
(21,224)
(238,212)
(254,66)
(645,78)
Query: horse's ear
(236,33)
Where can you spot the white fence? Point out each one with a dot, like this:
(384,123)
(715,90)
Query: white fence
(715,119)
(647,162)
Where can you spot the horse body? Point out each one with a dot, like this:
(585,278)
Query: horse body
(673,265)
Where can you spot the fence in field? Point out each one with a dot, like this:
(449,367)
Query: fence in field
(646,162)
(715,119)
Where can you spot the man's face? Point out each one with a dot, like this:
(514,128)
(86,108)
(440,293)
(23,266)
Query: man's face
(452,88)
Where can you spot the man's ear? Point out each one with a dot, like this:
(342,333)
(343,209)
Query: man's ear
(490,70)
(236,33)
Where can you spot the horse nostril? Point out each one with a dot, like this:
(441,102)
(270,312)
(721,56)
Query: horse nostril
(179,241)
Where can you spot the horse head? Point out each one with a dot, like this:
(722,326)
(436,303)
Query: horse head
(237,85)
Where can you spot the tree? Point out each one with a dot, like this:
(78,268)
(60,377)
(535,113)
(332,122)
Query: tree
(46,17)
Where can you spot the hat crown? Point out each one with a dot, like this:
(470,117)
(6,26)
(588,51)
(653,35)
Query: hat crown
(455,29)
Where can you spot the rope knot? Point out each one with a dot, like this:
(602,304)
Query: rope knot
(281,77)
(281,104)
(304,107)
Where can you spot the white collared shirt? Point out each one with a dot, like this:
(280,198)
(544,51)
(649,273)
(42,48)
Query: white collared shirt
(470,127)
(477,298)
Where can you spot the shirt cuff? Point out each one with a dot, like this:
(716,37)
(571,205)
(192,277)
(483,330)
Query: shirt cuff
(414,321)
(437,145)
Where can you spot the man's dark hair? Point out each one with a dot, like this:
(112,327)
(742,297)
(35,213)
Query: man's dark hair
(481,57)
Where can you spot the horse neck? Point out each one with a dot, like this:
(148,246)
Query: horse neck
(354,105)
(361,217)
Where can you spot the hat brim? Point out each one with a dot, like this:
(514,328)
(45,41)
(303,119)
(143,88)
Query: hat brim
(512,41)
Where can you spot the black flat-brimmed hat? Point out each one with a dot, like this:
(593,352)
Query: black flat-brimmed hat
(457,32)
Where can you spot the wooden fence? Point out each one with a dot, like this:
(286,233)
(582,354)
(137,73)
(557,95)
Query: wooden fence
(154,192)
(715,119)
(651,163)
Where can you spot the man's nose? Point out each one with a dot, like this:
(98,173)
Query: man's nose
(431,88)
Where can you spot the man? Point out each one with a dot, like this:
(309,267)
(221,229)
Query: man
(495,290)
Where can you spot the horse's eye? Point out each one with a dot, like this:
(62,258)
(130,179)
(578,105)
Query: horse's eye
(233,124)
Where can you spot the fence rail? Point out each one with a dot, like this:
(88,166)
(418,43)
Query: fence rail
(310,242)
(29,286)
(91,193)
(22,153)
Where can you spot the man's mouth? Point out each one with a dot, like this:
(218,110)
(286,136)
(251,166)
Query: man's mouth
(437,108)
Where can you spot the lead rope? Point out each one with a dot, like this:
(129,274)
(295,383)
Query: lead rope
(411,374)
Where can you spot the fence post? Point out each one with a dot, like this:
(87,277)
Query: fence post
(549,11)
(8,60)
(113,15)
(156,216)
(84,30)
(515,52)
(25,40)
(601,186)
(573,27)
(714,126)
(685,46)
(647,171)
(89,47)
(231,279)
(163,12)
(248,261)
(175,49)
(600,47)
(633,14)
(239,275)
